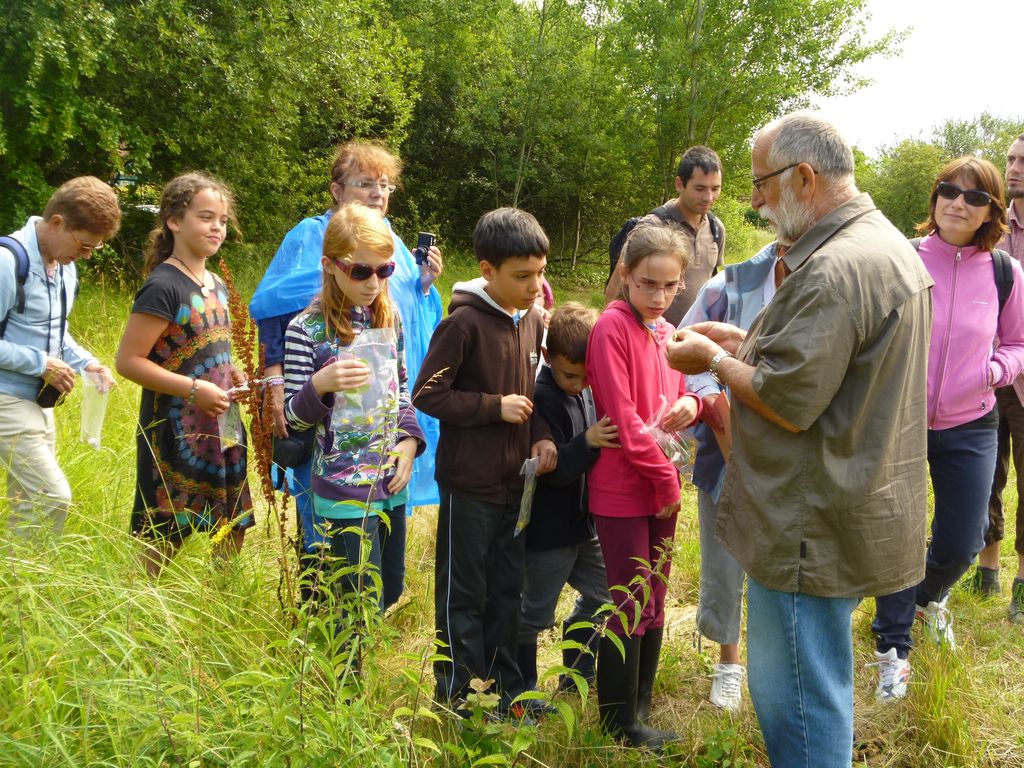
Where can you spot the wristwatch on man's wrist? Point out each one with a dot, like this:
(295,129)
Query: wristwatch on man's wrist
(715,362)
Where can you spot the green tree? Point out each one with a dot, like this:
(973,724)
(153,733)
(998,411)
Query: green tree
(52,124)
(579,110)
(506,114)
(986,135)
(712,72)
(575,109)
(901,179)
(256,91)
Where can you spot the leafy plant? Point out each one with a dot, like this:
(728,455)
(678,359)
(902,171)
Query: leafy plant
(725,748)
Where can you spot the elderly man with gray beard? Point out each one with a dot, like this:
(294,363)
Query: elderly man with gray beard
(825,495)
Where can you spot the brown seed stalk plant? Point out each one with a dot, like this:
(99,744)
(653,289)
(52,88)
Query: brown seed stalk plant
(255,399)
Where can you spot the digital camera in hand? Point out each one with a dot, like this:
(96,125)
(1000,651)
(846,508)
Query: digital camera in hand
(424,241)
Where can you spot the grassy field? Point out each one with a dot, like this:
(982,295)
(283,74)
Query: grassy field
(99,666)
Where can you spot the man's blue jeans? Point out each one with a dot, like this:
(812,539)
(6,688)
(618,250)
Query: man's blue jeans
(800,675)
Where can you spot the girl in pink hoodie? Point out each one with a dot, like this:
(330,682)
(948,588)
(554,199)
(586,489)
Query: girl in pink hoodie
(634,490)
(976,346)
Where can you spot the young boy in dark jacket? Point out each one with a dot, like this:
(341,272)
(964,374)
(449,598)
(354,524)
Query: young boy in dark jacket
(561,542)
(477,380)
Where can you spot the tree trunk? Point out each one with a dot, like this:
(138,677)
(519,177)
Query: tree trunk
(691,123)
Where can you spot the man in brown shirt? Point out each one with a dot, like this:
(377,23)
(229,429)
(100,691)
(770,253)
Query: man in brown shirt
(698,186)
(985,580)
(825,497)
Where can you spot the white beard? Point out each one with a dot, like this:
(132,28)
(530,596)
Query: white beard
(789,219)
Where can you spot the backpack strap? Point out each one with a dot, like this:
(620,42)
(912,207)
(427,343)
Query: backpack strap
(615,246)
(716,230)
(1001,266)
(716,235)
(20,276)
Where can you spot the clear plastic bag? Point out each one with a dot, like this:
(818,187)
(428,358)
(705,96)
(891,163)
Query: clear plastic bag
(529,473)
(675,445)
(232,432)
(375,405)
(95,392)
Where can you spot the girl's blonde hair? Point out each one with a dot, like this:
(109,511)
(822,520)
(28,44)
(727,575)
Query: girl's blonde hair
(652,239)
(174,201)
(355,226)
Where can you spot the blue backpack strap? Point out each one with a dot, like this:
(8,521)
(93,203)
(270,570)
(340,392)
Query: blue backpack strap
(20,276)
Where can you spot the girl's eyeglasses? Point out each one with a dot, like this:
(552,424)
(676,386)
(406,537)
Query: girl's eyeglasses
(978,198)
(650,288)
(362,272)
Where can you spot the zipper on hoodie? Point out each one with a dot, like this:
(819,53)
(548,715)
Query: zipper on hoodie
(519,379)
(945,341)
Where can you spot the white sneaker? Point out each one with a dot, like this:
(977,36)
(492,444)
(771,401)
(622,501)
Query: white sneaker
(727,686)
(893,675)
(938,623)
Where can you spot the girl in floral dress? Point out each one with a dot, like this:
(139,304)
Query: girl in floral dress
(177,346)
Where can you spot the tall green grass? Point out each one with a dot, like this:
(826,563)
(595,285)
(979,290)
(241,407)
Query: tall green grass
(204,667)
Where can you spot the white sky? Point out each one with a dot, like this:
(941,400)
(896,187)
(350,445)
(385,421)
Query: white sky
(956,63)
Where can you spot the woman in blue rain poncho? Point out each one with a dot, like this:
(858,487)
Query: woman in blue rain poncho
(363,172)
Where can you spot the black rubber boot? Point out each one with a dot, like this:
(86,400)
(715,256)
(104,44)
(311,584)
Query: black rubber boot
(574,658)
(989,580)
(984,582)
(526,659)
(650,653)
(617,679)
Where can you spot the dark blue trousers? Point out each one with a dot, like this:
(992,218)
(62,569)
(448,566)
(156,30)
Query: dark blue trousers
(478,583)
(961,463)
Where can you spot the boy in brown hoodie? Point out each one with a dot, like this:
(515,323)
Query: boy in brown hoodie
(477,380)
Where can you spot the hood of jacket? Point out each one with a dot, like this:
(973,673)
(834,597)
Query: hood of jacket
(473,293)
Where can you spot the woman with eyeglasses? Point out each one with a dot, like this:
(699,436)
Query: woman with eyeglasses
(977,344)
(362,172)
(357,400)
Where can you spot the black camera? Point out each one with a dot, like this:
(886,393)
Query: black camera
(424,240)
(49,396)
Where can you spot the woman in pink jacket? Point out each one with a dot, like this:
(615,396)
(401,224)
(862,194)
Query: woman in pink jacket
(634,490)
(976,346)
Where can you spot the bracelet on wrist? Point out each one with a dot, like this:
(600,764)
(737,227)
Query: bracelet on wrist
(275,381)
(192,392)
(717,361)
